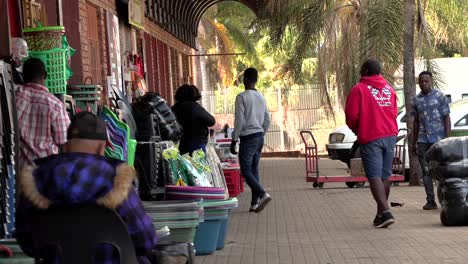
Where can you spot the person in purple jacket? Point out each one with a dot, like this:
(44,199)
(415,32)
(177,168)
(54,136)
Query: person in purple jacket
(82,175)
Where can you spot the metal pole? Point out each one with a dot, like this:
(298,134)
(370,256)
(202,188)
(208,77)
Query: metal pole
(280,112)
(59,13)
(217,54)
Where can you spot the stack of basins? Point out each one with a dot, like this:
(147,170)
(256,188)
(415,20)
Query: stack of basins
(192,192)
(448,164)
(7,152)
(87,97)
(182,218)
(211,234)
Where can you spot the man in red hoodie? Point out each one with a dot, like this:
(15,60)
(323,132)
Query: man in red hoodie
(371,112)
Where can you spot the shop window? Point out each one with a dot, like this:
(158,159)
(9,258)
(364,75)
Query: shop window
(34,14)
(462,122)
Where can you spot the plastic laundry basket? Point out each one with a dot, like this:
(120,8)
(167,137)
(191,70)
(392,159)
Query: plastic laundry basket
(56,61)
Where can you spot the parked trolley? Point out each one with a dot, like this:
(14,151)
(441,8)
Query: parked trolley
(356,177)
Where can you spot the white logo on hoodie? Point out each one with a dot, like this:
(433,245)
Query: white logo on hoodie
(382,97)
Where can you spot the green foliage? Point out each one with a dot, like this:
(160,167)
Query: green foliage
(300,42)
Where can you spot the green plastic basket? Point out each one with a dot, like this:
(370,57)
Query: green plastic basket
(56,61)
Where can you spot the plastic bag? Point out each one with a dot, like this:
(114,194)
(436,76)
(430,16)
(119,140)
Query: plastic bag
(454,203)
(448,150)
(441,171)
(195,177)
(199,161)
(448,158)
(179,176)
(197,169)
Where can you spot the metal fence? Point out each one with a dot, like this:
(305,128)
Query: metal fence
(292,109)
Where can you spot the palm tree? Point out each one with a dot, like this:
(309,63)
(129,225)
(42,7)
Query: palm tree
(224,29)
(345,32)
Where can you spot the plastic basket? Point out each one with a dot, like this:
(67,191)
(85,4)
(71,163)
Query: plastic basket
(84,89)
(55,61)
(43,38)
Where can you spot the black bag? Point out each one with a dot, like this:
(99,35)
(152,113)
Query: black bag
(448,150)
(152,110)
(454,202)
(442,171)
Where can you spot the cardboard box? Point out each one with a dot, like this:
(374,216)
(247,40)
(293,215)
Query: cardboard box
(356,167)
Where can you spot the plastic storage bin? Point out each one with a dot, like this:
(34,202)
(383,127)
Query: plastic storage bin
(206,237)
(233,181)
(223,232)
(218,212)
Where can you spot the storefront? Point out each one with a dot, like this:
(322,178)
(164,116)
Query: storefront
(110,53)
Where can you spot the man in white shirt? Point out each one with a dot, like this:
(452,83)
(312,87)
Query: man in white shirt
(251,123)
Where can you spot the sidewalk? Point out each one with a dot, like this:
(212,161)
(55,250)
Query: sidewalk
(334,224)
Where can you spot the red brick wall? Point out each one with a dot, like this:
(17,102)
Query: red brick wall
(157,62)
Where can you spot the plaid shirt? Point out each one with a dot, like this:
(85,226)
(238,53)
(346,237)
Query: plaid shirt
(78,178)
(42,122)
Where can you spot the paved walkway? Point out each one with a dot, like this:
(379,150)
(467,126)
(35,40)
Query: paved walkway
(334,224)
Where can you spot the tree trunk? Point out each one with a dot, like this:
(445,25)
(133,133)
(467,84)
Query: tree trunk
(409,84)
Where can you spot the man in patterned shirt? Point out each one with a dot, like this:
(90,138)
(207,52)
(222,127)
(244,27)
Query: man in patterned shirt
(82,175)
(431,113)
(42,118)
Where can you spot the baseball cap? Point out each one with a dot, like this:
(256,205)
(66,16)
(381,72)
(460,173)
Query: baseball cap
(86,125)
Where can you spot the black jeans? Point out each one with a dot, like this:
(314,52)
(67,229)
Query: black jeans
(427,179)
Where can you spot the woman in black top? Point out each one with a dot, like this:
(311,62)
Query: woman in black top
(193,118)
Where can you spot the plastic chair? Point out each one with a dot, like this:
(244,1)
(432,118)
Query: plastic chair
(76,230)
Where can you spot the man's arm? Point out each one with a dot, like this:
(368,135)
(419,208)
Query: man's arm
(266,122)
(445,111)
(239,120)
(59,126)
(206,118)
(415,133)
(139,224)
(352,110)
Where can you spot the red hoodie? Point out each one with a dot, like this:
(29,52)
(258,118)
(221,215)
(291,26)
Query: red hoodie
(371,109)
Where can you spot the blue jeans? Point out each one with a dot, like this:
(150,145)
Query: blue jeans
(250,151)
(377,157)
(427,179)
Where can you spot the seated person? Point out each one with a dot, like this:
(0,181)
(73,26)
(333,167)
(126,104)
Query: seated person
(82,175)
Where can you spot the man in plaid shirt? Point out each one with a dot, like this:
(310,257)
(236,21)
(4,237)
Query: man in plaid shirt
(82,175)
(42,117)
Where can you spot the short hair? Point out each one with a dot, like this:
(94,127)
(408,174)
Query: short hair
(425,73)
(187,92)
(34,69)
(251,75)
(371,67)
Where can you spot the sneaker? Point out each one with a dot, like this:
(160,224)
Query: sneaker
(430,206)
(377,220)
(253,208)
(386,220)
(263,202)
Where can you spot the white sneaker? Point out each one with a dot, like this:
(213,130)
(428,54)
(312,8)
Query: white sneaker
(253,208)
(263,202)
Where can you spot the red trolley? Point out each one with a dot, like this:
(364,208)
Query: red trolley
(312,165)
